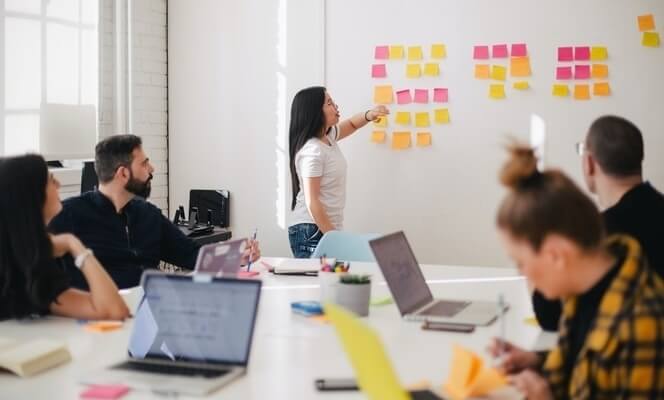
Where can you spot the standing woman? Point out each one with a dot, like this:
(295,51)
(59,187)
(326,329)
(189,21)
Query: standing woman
(317,166)
(32,282)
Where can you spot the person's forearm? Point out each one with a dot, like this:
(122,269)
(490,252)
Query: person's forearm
(319,215)
(358,120)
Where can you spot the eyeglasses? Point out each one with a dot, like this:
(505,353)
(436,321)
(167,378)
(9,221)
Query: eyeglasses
(580,148)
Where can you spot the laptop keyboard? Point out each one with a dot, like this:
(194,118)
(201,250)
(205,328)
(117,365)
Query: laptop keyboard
(445,308)
(171,369)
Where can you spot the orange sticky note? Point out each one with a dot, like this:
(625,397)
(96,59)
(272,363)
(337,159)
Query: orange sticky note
(600,71)
(598,53)
(438,50)
(383,94)
(498,72)
(423,139)
(582,92)
(396,52)
(422,119)
(378,136)
(431,69)
(413,70)
(520,66)
(380,122)
(482,71)
(601,89)
(650,39)
(441,116)
(468,376)
(646,22)
(103,326)
(560,90)
(401,140)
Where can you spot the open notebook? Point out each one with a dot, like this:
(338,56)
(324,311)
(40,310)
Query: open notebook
(27,358)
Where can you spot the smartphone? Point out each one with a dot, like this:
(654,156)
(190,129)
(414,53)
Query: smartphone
(447,326)
(336,384)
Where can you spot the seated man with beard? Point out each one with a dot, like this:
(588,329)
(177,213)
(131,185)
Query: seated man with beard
(126,233)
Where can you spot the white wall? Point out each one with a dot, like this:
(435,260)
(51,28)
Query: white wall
(229,109)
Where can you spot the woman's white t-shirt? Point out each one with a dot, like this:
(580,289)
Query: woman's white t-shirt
(318,159)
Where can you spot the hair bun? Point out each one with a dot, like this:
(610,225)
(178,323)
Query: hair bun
(520,168)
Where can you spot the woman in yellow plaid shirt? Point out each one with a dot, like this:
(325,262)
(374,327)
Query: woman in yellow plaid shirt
(611,343)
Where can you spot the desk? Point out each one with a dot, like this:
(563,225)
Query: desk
(289,351)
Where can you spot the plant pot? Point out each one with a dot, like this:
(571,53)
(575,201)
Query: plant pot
(354,297)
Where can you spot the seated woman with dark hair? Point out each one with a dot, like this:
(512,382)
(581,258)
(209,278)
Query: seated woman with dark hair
(31,280)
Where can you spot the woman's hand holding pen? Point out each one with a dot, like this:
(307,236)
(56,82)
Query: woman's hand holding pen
(513,359)
(252,252)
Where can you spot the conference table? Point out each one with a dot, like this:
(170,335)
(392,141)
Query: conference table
(289,351)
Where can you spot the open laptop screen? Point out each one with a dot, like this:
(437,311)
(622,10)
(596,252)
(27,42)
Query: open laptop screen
(192,319)
(401,271)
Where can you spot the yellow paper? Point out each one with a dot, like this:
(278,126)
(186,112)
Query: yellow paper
(402,118)
(520,66)
(422,119)
(383,94)
(482,71)
(601,89)
(380,122)
(646,22)
(582,92)
(400,140)
(650,39)
(423,139)
(532,321)
(600,71)
(560,90)
(378,136)
(442,116)
(521,85)
(469,378)
(396,52)
(103,326)
(413,70)
(598,53)
(498,72)
(431,69)
(497,91)
(438,51)
(414,53)
(373,369)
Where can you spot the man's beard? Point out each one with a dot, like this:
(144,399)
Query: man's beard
(139,188)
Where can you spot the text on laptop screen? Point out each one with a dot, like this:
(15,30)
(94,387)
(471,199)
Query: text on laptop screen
(182,319)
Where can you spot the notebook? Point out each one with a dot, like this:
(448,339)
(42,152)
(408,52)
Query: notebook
(29,357)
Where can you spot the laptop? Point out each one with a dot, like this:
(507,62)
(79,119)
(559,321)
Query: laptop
(220,259)
(373,369)
(191,335)
(411,292)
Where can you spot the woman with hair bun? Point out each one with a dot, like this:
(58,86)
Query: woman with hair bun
(611,337)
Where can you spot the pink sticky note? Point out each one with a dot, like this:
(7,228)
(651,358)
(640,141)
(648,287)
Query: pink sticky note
(500,51)
(403,97)
(481,53)
(519,50)
(582,72)
(564,73)
(421,96)
(382,53)
(105,392)
(582,53)
(378,71)
(565,54)
(440,95)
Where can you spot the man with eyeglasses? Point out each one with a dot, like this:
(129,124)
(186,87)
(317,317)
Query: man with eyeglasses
(612,154)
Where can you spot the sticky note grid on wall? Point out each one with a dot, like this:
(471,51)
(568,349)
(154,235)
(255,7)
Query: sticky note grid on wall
(497,62)
(582,72)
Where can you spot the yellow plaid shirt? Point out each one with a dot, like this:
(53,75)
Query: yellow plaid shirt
(623,354)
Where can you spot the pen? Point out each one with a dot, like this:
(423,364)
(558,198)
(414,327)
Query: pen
(501,315)
(250,251)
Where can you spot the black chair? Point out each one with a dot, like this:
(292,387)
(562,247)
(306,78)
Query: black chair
(89,179)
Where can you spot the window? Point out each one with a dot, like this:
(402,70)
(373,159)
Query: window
(50,59)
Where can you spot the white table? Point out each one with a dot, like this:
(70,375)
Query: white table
(289,352)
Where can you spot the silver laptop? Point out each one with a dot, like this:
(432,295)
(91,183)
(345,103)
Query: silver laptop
(191,335)
(220,259)
(411,292)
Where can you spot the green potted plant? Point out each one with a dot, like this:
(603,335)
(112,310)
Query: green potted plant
(354,292)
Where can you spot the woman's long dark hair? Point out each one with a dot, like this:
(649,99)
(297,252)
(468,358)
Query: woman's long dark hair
(306,122)
(26,251)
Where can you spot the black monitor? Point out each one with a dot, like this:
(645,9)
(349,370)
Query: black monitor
(89,179)
(217,201)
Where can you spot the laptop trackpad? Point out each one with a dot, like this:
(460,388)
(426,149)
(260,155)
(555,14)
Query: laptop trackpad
(445,308)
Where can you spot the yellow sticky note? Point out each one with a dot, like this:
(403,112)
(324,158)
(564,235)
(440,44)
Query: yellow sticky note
(601,89)
(560,90)
(380,122)
(497,91)
(413,70)
(400,140)
(598,53)
(646,22)
(521,85)
(402,118)
(383,94)
(520,66)
(498,72)
(600,71)
(438,50)
(423,139)
(532,321)
(422,119)
(378,136)
(482,71)
(396,52)
(414,53)
(650,39)
(431,69)
(442,116)
(582,92)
